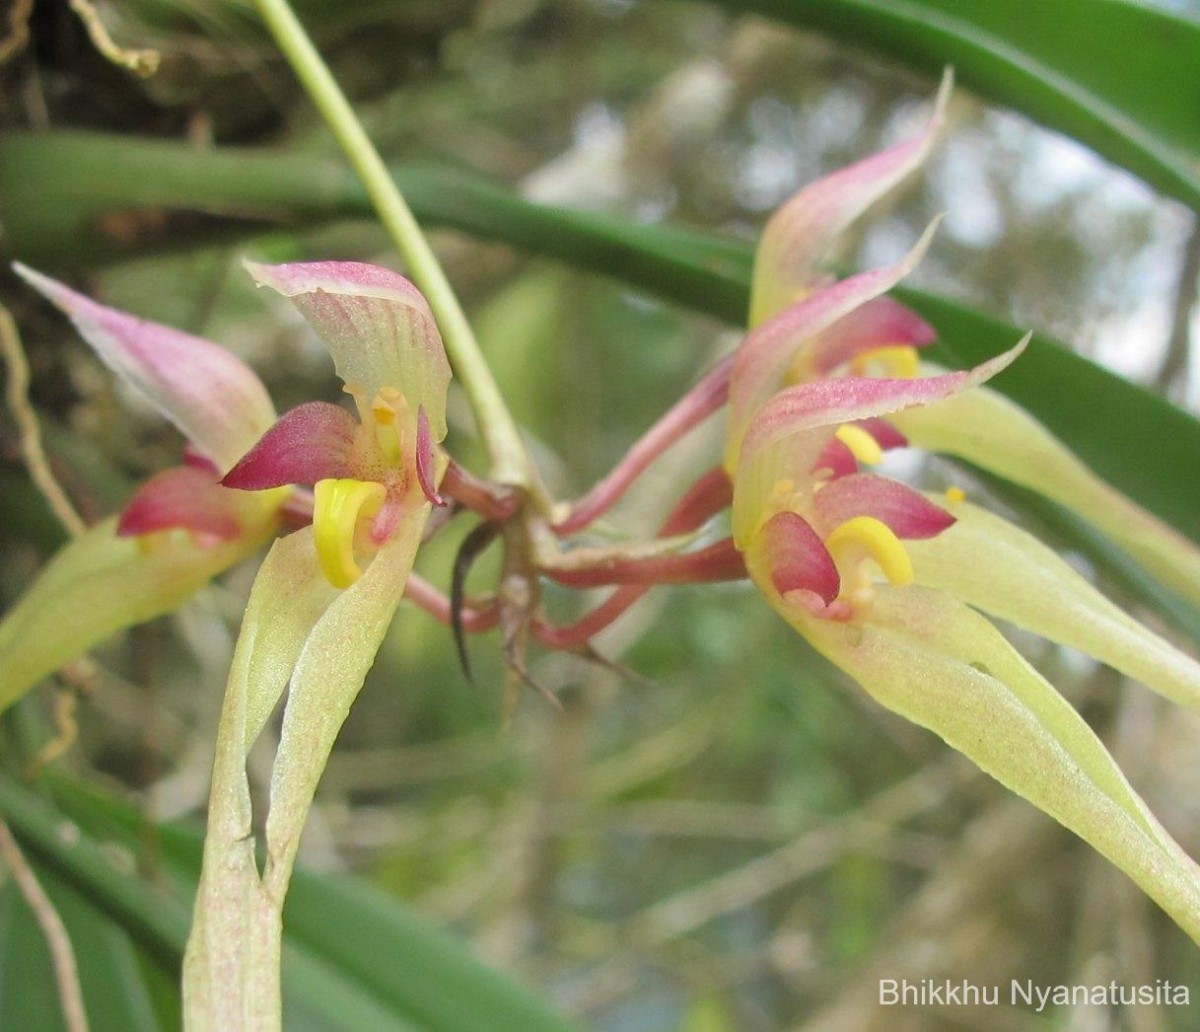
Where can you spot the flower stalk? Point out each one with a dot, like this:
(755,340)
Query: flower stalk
(509,461)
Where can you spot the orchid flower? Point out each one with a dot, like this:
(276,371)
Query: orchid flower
(180,529)
(319,608)
(889,583)
(880,335)
(323,598)
(381,334)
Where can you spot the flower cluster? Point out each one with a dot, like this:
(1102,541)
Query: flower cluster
(891,584)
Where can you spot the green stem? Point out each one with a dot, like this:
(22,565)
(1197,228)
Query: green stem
(509,461)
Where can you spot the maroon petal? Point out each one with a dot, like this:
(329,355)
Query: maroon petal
(425,470)
(308,443)
(908,513)
(797,557)
(885,433)
(837,458)
(849,399)
(764,357)
(880,323)
(183,497)
(198,460)
(789,432)
(801,232)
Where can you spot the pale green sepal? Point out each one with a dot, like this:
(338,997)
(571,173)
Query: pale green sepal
(99,584)
(987,429)
(231,969)
(377,325)
(328,676)
(301,632)
(278,621)
(987,562)
(940,664)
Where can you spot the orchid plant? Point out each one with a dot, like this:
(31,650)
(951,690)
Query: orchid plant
(888,582)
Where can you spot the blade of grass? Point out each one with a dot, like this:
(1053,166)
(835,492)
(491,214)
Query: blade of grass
(1072,65)
(352,954)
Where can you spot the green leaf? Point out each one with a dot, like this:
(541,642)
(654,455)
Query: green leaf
(112,976)
(377,936)
(1116,75)
(157,923)
(28,997)
(378,965)
(62,193)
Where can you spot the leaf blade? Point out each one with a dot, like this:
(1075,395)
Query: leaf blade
(1064,63)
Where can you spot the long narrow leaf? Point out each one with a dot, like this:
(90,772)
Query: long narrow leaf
(1116,75)
(375,957)
(55,188)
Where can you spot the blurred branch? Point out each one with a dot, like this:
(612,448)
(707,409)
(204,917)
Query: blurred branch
(27,427)
(961,920)
(1179,343)
(18,29)
(140,61)
(63,956)
(872,822)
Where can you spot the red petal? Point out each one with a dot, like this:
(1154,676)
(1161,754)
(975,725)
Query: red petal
(798,558)
(885,433)
(882,322)
(309,443)
(183,497)
(198,460)
(425,472)
(837,458)
(907,512)
(803,230)
(763,358)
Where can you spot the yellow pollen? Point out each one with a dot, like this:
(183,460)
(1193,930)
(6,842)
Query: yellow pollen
(337,506)
(867,534)
(154,542)
(955,494)
(898,361)
(781,495)
(862,445)
(389,409)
